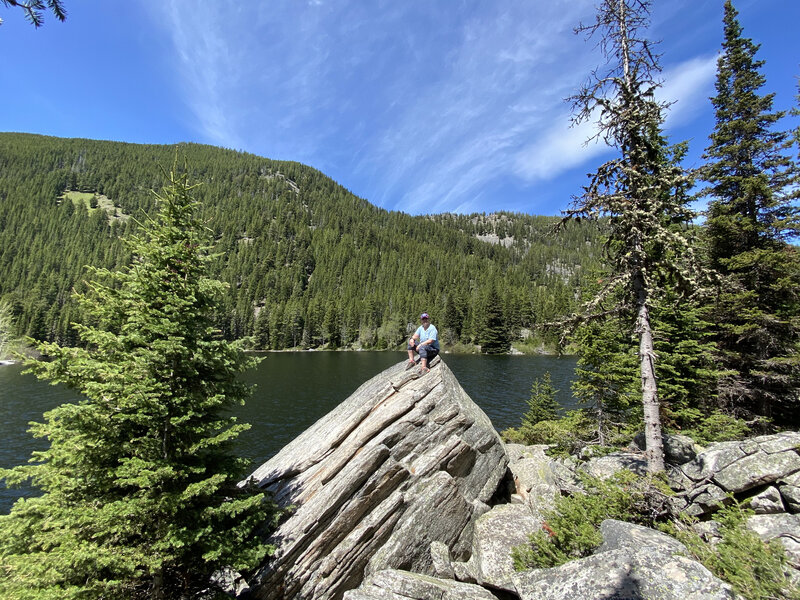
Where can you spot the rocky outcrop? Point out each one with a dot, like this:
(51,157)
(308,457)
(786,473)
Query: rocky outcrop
(763,469)
(407,460)
(634,563)
(405,491)
(402,585)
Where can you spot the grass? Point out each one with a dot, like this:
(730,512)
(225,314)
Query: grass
(103,203)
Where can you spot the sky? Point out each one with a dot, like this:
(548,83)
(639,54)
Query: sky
(420,106)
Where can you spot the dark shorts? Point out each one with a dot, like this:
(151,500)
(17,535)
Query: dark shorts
(427,351)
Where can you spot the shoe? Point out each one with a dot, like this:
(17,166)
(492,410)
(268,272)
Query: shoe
(410,364)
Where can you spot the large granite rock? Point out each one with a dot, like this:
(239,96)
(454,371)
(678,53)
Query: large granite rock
(790,492)
(678,449)
(407,460)
(782,527)
(743,468)
(605,467)
(535,482)
(401,585)
(496,533)
(634,563)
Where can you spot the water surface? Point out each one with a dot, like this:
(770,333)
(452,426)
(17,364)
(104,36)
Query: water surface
(293,390)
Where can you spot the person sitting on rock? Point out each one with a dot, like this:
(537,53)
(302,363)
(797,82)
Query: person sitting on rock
(424,342)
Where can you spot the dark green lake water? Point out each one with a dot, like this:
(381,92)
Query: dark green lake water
(293,390)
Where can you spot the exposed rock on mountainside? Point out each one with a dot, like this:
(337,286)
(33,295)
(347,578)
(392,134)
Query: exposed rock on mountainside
(407,460)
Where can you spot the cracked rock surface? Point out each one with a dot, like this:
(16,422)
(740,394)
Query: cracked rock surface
(405,461)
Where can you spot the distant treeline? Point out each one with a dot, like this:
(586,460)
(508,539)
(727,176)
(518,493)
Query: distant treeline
(308,263)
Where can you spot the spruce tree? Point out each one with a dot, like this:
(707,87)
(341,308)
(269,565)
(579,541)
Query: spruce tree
(605,377)
(643,192)
(542,405)
(139,482)
(495,336)
(751,215)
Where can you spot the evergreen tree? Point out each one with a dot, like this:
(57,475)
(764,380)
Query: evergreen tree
(751,215)
(542,405)
(643,191)
(34,9)
(6,328)
(140,496)
(495,336)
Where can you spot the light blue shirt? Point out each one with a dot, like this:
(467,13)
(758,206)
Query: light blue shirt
(428,334)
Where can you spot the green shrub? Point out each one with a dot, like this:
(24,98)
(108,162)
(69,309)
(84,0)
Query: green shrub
(572,529)
(568,434)
(714,427)
(755,569)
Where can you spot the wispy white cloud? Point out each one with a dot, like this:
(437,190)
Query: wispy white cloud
(688,86)
(418,108)
(561,147)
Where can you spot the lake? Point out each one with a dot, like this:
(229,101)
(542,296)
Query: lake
(293,390)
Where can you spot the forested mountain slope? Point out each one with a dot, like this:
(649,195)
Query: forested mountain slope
(308,262)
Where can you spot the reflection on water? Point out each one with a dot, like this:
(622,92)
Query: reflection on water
(292,391)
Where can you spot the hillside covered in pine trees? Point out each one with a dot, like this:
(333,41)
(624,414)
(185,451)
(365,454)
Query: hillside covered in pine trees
(308,264)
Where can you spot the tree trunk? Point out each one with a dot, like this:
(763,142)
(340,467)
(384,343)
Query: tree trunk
(647,361)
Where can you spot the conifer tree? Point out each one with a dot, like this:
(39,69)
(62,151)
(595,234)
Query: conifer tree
(605,376)
(34,9)
(751,215)
(494,337)
(6,329)
(139,482)
(542,405)
(643,191)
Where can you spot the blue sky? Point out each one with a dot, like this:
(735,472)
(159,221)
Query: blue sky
(422,106)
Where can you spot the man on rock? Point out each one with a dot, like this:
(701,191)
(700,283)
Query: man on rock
(424,342)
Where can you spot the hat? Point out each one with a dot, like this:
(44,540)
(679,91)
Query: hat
(424,316)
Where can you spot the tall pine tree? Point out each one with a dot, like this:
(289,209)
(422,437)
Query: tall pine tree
(643,191)
(751,215)
(140,496)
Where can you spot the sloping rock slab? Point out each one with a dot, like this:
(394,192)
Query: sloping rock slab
(634,563)
(618,535)
(605,467)
(624,574)
(403,462)
(402,585)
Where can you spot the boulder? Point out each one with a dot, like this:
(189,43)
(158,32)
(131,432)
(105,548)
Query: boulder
(565,474)
(408,459)
(535,483)
(496,534)
(393,584)
(706,499)
(634,563)
(607,466)
(782,527)
(624,575)
(756,464)
(768,501)
(789,488)
(757,469)
(678,449)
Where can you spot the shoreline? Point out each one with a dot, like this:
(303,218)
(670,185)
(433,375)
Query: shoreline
(513,352)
